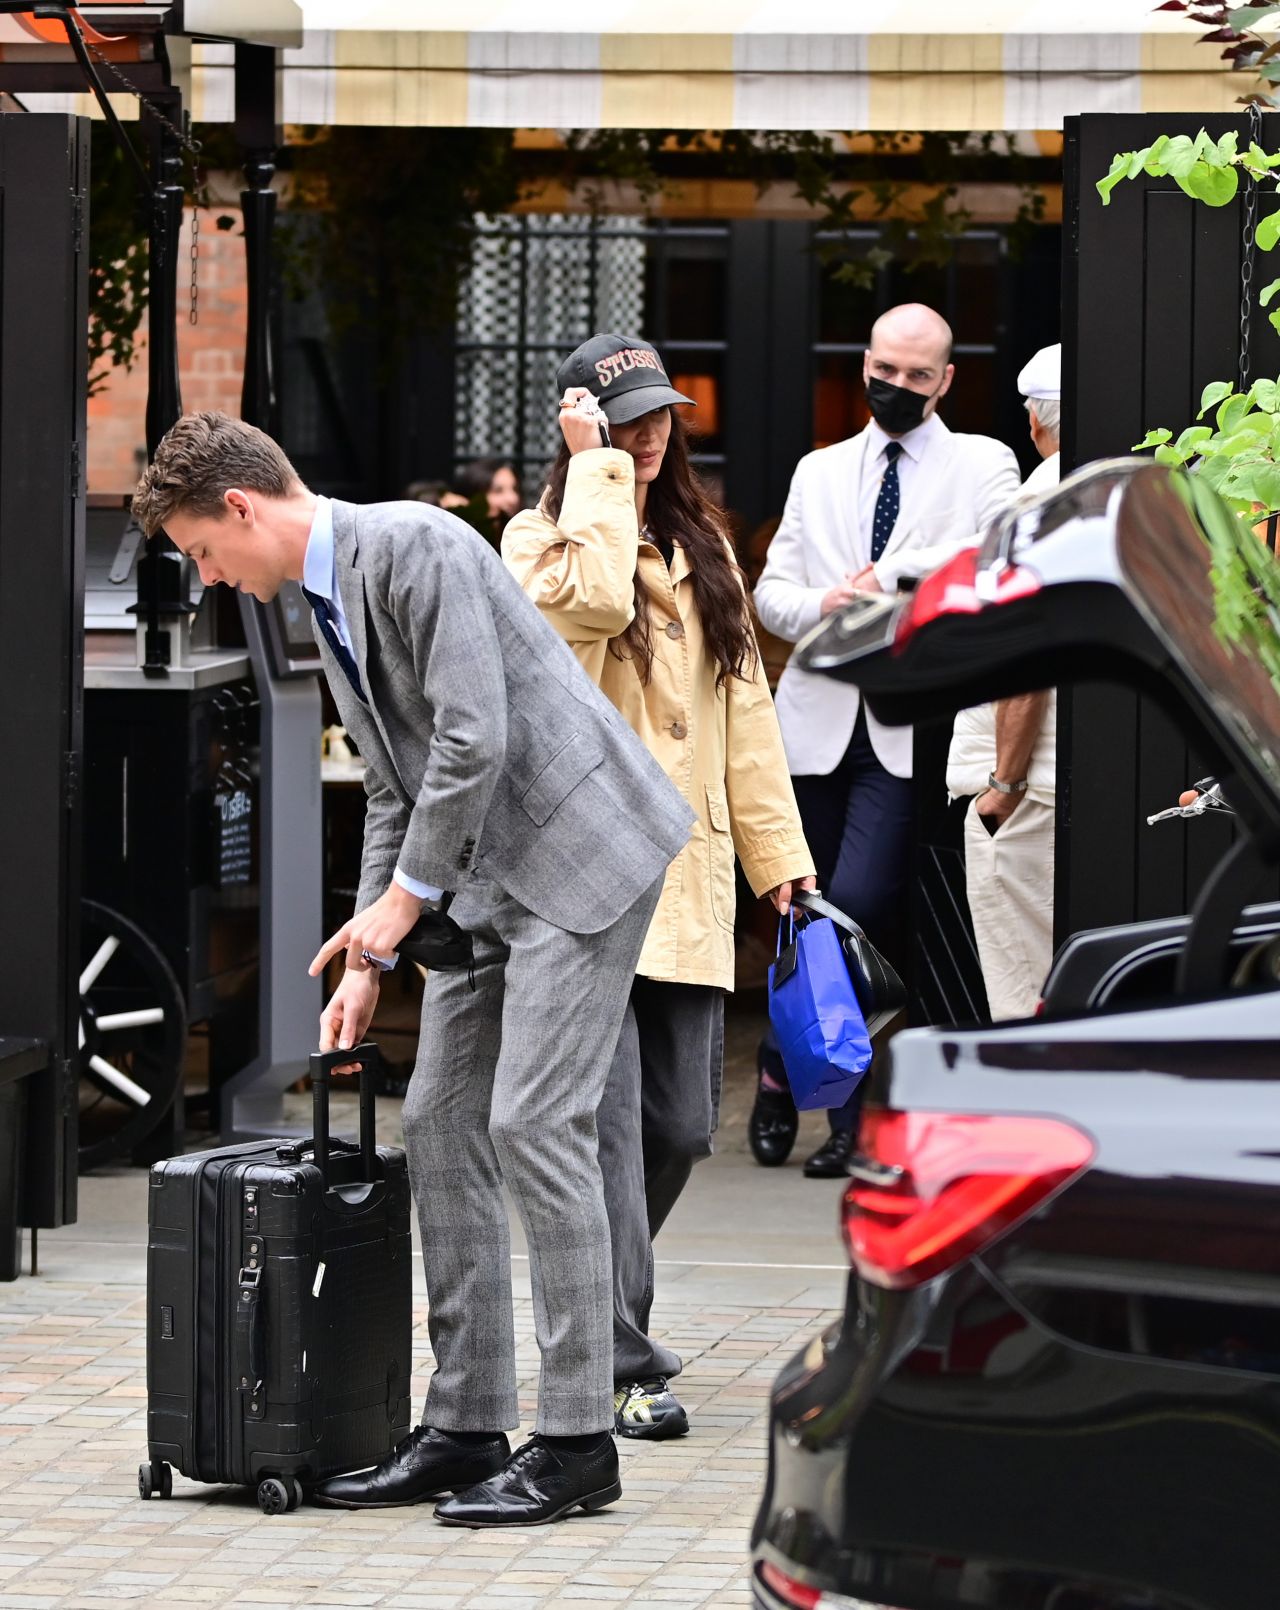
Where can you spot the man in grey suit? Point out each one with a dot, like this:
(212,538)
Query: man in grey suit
(496,769)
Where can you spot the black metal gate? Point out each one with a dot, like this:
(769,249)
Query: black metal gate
(1151,314)
(44,168)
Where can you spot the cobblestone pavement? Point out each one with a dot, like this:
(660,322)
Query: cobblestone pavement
(750,1267)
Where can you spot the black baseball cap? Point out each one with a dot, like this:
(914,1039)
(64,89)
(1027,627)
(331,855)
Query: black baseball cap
(623,373)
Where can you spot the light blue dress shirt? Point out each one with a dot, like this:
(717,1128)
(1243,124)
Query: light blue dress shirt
(320,576)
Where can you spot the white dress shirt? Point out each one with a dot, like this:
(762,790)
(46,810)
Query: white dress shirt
(915,444)
(319,576)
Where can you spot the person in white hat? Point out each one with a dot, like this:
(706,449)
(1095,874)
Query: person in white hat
(1041,386)
(1004,760)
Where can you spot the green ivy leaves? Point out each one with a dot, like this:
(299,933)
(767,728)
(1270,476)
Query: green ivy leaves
(1239,454)
(1242,17)
(1207,169)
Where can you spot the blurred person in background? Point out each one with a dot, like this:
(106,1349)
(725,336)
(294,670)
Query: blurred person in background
(894,501)
(495,480)
(1004,761)
(432,492)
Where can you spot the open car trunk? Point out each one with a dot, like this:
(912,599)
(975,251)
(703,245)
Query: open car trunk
(1129,573)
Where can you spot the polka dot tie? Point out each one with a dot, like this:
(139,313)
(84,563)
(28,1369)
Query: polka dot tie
(887,502)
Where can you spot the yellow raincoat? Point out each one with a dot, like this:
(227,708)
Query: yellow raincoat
(721,747)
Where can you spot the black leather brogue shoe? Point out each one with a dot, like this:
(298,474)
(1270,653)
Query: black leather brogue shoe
(772,1127)
(539,1483)
(422,1465)
(831,1160)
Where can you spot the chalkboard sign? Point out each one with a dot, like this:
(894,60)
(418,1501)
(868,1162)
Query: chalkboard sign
(233,820)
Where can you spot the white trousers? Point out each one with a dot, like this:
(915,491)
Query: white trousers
(1010,885)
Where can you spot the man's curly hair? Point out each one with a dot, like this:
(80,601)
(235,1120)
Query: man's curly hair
(200,459)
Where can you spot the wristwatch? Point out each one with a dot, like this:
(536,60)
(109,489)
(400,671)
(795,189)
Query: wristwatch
(1006,788)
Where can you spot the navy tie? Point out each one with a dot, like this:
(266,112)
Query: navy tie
(341,653)
(887,503)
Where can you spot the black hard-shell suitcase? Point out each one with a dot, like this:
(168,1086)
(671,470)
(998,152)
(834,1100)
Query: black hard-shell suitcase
(279,1307)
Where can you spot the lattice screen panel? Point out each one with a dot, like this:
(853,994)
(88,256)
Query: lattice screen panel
(536,288)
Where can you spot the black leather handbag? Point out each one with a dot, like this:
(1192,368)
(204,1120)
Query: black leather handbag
(881,993)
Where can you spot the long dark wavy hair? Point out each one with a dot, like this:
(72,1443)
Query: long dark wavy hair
(679,509)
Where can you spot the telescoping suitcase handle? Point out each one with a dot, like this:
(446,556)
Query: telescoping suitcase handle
(366,1057)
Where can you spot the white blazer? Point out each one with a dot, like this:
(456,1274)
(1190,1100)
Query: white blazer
(956,487)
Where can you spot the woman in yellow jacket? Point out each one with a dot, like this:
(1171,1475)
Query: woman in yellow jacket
(629,559)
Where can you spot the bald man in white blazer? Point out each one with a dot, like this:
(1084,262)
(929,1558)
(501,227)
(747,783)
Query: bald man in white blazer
(895,500)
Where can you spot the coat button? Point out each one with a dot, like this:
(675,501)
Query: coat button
(675,629)
(679,730)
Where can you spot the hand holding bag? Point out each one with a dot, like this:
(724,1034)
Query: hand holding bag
(815,1014)
(881,993)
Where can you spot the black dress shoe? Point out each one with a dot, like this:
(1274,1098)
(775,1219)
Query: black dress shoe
(831,1160)
(539,1483)
(437,943)
(422,1465)
(772,1127)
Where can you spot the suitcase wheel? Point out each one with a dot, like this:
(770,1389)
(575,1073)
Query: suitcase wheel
(279,1495)
(155,1479)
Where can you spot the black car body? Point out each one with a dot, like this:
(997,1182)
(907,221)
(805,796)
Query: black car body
(1056,1382)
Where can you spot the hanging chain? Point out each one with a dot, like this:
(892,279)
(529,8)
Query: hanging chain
(193,315)
(1248,252)
(184,138)
(191,147)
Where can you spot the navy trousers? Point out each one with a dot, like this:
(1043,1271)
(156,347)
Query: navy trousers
(858,821)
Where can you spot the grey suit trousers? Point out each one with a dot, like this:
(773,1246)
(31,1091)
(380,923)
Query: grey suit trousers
(505,1092)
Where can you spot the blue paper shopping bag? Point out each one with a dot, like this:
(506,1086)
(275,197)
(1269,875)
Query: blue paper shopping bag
(815,1014)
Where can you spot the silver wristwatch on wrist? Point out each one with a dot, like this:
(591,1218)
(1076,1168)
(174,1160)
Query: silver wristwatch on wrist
(1006,788)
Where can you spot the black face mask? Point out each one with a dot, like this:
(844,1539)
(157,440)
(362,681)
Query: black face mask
(894,408)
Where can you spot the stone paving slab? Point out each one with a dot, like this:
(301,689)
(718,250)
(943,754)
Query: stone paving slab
(75,1536)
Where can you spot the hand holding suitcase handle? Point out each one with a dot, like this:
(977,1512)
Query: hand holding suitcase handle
(366,1057)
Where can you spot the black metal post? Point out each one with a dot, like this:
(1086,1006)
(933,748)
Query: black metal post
(255,126)
(44,180)
(258,391)
(162,581)
(164,396)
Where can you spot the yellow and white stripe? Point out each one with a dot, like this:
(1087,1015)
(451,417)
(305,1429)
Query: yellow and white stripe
(699,64)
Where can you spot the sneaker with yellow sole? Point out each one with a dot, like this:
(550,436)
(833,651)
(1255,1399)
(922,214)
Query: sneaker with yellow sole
(648,1409)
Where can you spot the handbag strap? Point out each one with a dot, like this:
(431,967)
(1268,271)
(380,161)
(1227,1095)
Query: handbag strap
(811,901)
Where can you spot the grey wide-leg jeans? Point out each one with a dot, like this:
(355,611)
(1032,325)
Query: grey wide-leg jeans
(505,1091)
(660,1109)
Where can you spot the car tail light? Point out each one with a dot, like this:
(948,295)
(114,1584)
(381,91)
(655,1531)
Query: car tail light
(931,1189)
(788,1589)
(954,589)
(800,1596)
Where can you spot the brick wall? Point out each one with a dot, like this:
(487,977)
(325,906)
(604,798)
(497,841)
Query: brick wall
(210,356)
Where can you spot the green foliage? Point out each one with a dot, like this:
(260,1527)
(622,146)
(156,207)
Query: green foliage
(386,212)
(1245,50)
(918,218)
(117,259)
(1208,170)
(1245,578)
(383,216)
(1239,454)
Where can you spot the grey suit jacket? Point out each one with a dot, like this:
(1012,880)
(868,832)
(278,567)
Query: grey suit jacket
(488,749)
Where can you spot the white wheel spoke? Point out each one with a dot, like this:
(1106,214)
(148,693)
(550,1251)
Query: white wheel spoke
(106,950)
(120,1082)
(131,1020)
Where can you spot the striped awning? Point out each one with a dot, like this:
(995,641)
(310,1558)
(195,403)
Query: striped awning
(699,64)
